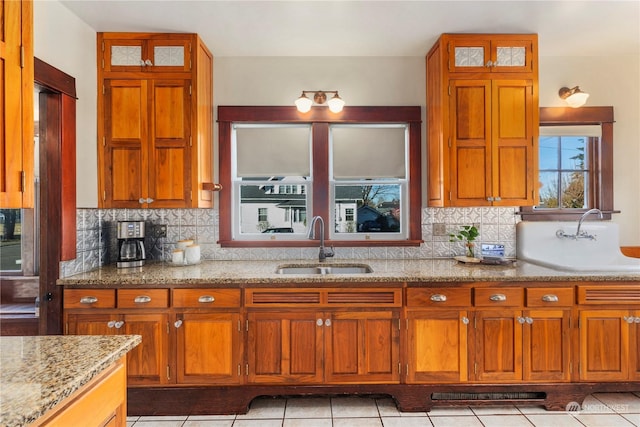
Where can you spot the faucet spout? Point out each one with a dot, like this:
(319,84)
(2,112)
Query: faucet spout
(324,252)
(584,215)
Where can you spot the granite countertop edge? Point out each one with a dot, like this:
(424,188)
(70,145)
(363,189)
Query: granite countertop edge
(31,386)
(239,273)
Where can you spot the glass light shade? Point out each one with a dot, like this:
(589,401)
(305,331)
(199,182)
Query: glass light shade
(578,99)
(335,104)
(303,104)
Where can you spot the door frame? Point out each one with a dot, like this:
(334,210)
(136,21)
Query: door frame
(57,104)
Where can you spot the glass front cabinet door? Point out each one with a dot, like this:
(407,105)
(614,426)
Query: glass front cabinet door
(474,54)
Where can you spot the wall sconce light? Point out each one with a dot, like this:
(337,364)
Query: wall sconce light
(574,96)
(319,97)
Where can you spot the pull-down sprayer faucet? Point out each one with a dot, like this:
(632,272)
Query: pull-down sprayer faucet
(324,252)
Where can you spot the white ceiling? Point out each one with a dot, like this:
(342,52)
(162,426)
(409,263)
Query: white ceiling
(372,28)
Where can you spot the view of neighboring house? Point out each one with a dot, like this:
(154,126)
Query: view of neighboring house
(281,207)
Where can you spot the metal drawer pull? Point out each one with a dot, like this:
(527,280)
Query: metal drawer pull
(206,298)
(438,298)
(498,297)
(142,299)
(550,298)
(88,300)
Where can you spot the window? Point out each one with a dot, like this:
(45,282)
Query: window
(352,168)
(575,163)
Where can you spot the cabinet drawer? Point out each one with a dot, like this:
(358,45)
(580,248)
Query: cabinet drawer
(498,297)
(89,298)
(549,297)
(206,298)
(143,298)
(438,297)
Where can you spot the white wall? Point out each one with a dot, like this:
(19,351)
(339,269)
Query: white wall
(64,41)
(611,81)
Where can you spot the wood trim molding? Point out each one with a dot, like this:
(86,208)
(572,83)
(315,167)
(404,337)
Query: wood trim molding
(53,78)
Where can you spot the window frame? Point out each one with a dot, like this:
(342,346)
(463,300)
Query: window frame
(600,194)
(320,119)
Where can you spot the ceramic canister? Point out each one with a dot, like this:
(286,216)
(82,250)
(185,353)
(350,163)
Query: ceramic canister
(182,244)
(192,254)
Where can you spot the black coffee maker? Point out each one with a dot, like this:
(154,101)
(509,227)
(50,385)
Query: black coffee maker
(130,235)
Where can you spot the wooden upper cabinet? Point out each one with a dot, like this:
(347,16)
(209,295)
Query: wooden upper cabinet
(155,129)
(491,53)
(482,126)
(143,52)
(16,105)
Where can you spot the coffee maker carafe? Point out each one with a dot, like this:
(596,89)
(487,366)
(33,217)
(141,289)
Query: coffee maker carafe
(130,235)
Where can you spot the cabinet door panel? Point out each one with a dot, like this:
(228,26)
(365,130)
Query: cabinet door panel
(513,152)
(437,346)
(16,104)
(285,347)
(91,324)
(634,353)
(499,348)
(170,143)
(470,112)
(208,347)
(604,345)
(546,345)
(147,363)
(126,140)
(362,347)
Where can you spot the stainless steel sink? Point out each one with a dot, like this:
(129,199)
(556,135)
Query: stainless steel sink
(324,269)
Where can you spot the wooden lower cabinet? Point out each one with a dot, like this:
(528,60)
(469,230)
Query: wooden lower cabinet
(437,346)
(147,364)
(198,342)
(323,347)
(102,402)
(495,339)
(208,348)
(604,345)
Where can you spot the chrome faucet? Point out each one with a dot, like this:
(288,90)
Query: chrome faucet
(580,235)
(584,215)
(324,252)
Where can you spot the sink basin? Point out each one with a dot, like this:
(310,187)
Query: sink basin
(324,269)
(538,244)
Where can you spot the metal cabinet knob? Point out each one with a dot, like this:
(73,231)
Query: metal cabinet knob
(327,322)
(177,323)
(111,324)
(118,324)
(438,298)
(629,319)
(319,322)
(465,320)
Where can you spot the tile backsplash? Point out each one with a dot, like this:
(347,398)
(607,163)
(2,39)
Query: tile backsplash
(96,244)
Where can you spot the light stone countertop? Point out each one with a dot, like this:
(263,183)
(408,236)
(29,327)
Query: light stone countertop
(37,373)
(212,273)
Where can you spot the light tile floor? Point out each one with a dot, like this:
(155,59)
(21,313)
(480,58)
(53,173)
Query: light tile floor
(598,410)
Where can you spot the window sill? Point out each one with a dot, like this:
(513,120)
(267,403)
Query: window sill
(315,243)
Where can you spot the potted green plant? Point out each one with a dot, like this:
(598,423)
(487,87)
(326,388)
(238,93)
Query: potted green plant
(466,234)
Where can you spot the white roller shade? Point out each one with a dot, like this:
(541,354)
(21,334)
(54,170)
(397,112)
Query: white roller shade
(272,151)
(368,152)
(586,130)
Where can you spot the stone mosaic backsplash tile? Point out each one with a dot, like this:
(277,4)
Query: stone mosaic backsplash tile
(97,246)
